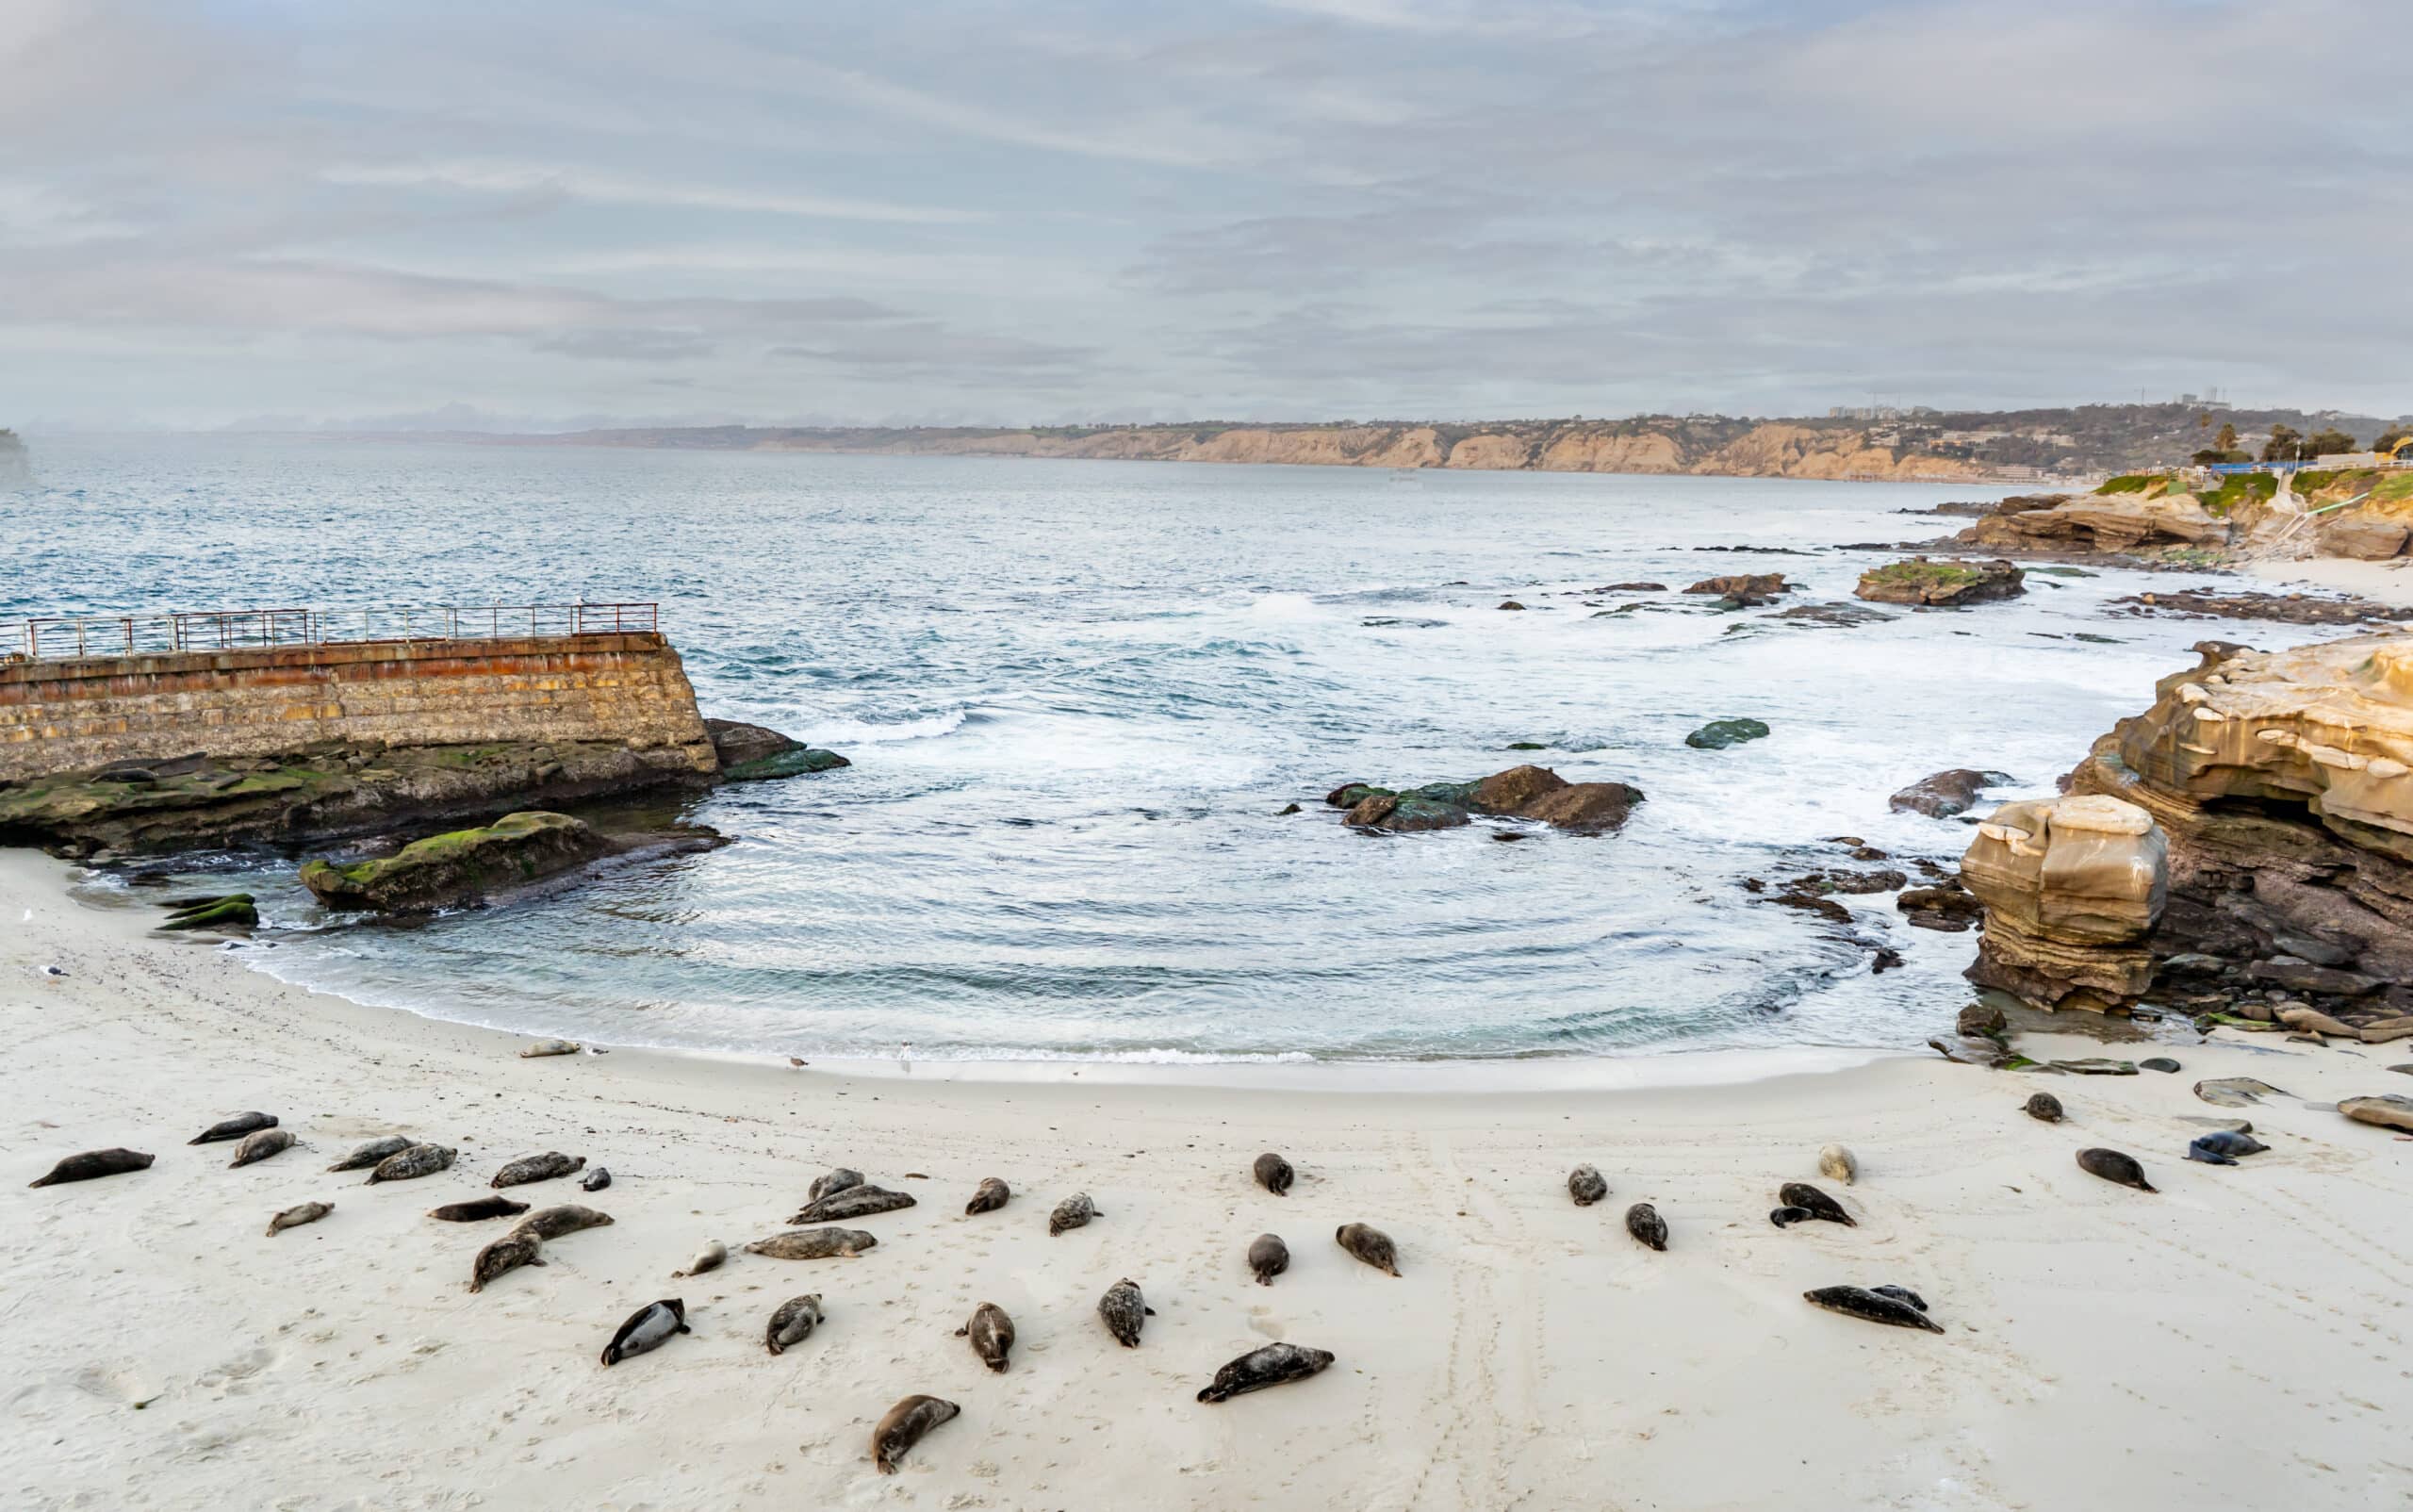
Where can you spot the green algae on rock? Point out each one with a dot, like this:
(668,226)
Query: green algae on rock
(1719,733)
(1919,581)
(463,866)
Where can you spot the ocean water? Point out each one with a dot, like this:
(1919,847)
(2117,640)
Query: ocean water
(1076,695)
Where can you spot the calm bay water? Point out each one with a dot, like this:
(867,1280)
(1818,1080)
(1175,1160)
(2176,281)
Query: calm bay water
(1077,694)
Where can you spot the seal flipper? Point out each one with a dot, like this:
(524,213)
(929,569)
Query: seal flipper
(1150,1311)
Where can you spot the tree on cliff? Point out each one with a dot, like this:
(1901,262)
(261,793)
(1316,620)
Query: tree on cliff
(2390,437)
(2284,445)
(2226,440)
(2326,442)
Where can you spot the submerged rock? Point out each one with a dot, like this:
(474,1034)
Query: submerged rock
(1720,733)
(1947,584)
(1743,591)
(1942,795)
(1521,791)
(750,753)
(464,866)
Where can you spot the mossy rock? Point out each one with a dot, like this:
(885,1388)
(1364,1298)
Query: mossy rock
(1719,733)
(461,867)
(235,911)
(1350,795)
(1919,581)
(794,762)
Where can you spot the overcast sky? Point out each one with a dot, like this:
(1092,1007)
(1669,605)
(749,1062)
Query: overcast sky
(544,211)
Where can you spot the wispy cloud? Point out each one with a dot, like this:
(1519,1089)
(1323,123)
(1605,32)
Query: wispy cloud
(607,188)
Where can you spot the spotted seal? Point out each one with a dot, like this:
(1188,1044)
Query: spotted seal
(1586,1184)
(478,1209)
(1643,1222)
(503,1256)
(1273,1174)
(300,1213)
(707,1258)
(1270,1365)
(259,1146)
(904,1425)
(552,1223)
(854,1202)
(594,1180)
(1820,1206)
(2222,1146)
(794,1321)
(234,1128)
(94,1163)
(1872,1305)
(537,1168)
(418,1160)
(838,1180)
(1269,1257)
(814,1244)
(2044,1107)
(1071,1212)
(992,1334)
(990,1197)
(1125,1311)
(2114,1167)
(1370,1244)
(375,1150)
(649,1327)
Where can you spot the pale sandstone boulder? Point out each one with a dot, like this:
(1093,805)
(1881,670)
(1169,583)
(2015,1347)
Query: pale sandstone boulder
(2072,886)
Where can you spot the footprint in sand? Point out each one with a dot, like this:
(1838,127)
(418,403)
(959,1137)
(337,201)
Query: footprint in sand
(1263,1321)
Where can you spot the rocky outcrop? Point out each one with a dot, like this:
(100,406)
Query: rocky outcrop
(1720,733)
(2365,538)
(2101,522)
(2071,888)
(1942,795)
(462,867)
(2281,608)
(750,753)
(1948,583)
(1743,591)
(1521,791)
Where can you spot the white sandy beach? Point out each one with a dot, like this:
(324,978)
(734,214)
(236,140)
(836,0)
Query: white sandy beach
(2240,1341)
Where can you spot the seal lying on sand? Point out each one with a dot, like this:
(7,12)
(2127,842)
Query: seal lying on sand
(94,1163)
(1838,1164)
(2114,1166)
(1269,1257)
(991,1196)
(373,1152)
(477,1210)
(992,1334)
(648,1328)
(836,1181)
(261,1145)
(707,1258)
(854,1202)
(1125,1311)
(2222,1146)
(904,1426)
(552,1223)
(794,1321)
(2044,1107)
(1261,1368)
(1873,1307)
(295,1217)
(814,1244)
(1643,1222)
(1370,1244)
(1802,1194)
(234,1128)
(1273,1174)
(1787,1217)
(503,1256)
(537,1168)
(594,1180)
(418,1160)
(1071,1212)
(1586,1184)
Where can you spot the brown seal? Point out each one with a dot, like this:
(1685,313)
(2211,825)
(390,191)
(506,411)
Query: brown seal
(552,1223)
(537,1168)
(1643,1222)
(2114,1166)
(235,1128)
(836,1181)
(1274,1174)
(1071,1212)
(903,1428)
(1802,1194)
(295,1217)
(1370,1244)
(2044,1107)
(1260,1368)
(1125,1311)
(477,1210)
(794,1321)
(503,1256)
(418,1160)
(991,1196)
(992,1334)
(261,1145)
(813,1245)
(1586,1184)
(1885,1305)
(370,1154)
(92,1163)
(1269,1257)
(853,1202)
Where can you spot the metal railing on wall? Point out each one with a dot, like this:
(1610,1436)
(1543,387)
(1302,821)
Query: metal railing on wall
(68,637)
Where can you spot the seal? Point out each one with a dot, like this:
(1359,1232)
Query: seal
(814,1244)
(545,1047)
(503,1256)
(1269,1257)
(1902,1294)
(707,1258)
(94,1163)
(418,1160)
(552,1223)
(2222,1146)
(2114,1167)
(1802,1194)
(1586,1184)
(482,1207)
(1836,1164)
(991,1196)
(649,1327)
(594,1180)
(2044,1107)
(836,1181)
(234,1128)
(373,1152)
(904,1425)
(1787,1217)
(794,1321)
(1125,1311)
(1873,1307)
(537,1168)
(1270,1365)
(1368,1245)
(992,1334)
(1273,1174)
(1071,1212)
(853,1202)
(295,1216)
(261,1145)
(1643,1222)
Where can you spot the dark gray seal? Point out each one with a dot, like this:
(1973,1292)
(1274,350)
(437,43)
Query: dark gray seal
(418,1160)
(594,1180)
(1643,1222)
(370,1154)
(2115,1167)
(261,1145)
(1370,1244)
(813,1245)
(92,1163)
(991,1196)
(1260,1368)
(1269,1257)
(1821,1206)
(478,1209)
(854,1202)
(235,1128)
(503,1256)
(1071,1212)
(904,1426)
(1273,1174)
(1902,1294)
(1873,1307)
(537,1168)
(1125,1311)
(295,1217)
(794,1322)
(1787,1217)
(649,1327)
(1586,1184)
(992,1334)
(552,1223)
(2044,1107)
(836,1181)
(2222,1147)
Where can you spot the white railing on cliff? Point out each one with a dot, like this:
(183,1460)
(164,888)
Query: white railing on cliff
(69,638)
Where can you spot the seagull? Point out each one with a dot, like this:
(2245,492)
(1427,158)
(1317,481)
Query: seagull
(904,1054)
(52,971)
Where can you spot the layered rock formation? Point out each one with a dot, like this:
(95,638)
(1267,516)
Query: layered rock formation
(1919,581)
(2100,522)
(1521,791)
(462,868)
(2071,888)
